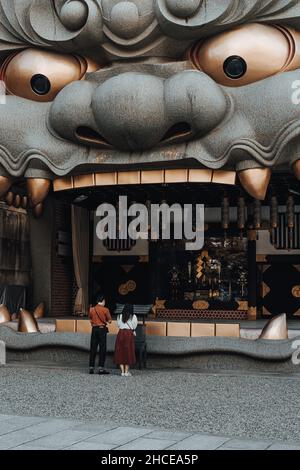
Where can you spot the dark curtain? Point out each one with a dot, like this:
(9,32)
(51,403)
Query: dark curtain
(14,257)
(14,297)
(81,254)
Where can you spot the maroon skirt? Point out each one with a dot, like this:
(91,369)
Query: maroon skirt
(125,348)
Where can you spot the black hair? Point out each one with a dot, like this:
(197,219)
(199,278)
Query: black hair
(100,298)
(127,313)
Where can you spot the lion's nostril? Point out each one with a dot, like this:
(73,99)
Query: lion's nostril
(179,130)
(88,135)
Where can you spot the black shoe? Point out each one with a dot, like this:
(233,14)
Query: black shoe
(103,372)
(91,371)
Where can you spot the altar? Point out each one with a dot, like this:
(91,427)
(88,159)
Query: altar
(210,284)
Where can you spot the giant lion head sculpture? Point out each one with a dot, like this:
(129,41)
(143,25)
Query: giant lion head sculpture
(97,85)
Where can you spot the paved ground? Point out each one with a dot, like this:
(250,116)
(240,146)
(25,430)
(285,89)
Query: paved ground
(262,407)
(33,433)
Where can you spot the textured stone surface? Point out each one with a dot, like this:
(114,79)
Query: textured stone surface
(263,407)
(2,353)
(46,434)
(206,353)
(147,96)
(263,349)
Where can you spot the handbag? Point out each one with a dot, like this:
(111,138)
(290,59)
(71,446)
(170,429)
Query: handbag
(133,331)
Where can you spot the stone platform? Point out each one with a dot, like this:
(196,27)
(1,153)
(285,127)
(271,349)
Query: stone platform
(211,353)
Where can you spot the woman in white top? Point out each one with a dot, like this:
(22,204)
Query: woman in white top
(125,343)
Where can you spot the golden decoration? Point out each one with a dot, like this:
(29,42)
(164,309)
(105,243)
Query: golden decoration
(130,286)
(204,256)
(199,268)
(243,305)
(24,202)
(261,258)
(39,312)
(200,305)
(265,290)
(296,168)
(9,198)
(4,314)
(159,305)
(27,322)
(256,181)
(275,329)
(127,268)
(122,290)
(296,292)
(38,210)
(266,312)
(5,184)
(265,268)
(37,189)
(252,313)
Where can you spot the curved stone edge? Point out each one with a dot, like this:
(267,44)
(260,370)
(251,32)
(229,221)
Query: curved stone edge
(2,353)
(266,350)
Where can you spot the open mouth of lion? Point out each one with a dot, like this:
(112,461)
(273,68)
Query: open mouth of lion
(144,178)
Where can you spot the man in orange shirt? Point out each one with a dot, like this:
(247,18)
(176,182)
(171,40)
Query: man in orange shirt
(100,317)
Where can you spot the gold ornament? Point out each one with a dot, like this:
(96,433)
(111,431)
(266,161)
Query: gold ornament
(275,329)
(4,314)
(39,311)
(129,286)
(200,305)
(27,322)
(296,292)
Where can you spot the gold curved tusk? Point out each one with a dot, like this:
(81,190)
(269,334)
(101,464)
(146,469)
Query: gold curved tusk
(17,201)
(5,184)
(9,199)
(27,322)
(275,329)
(38,211)
(24,202)
(4,314)
(256,181)
(296,169)
(38,189)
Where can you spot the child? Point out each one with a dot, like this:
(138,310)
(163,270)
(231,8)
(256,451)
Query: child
(125,343)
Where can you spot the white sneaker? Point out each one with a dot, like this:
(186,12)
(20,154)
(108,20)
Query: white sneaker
(122,374)
(128,374)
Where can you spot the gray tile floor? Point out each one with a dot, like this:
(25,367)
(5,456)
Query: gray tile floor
(33,433)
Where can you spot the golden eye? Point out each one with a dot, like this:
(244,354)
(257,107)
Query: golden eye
(247,54)
(40,75)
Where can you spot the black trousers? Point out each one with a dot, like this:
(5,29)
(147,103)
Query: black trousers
(98,339)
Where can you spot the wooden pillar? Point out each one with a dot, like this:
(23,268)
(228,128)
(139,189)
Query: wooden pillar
(252,276)
(42,235)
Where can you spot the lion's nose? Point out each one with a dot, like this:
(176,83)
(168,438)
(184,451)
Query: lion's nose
(134,111)
(129,111)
